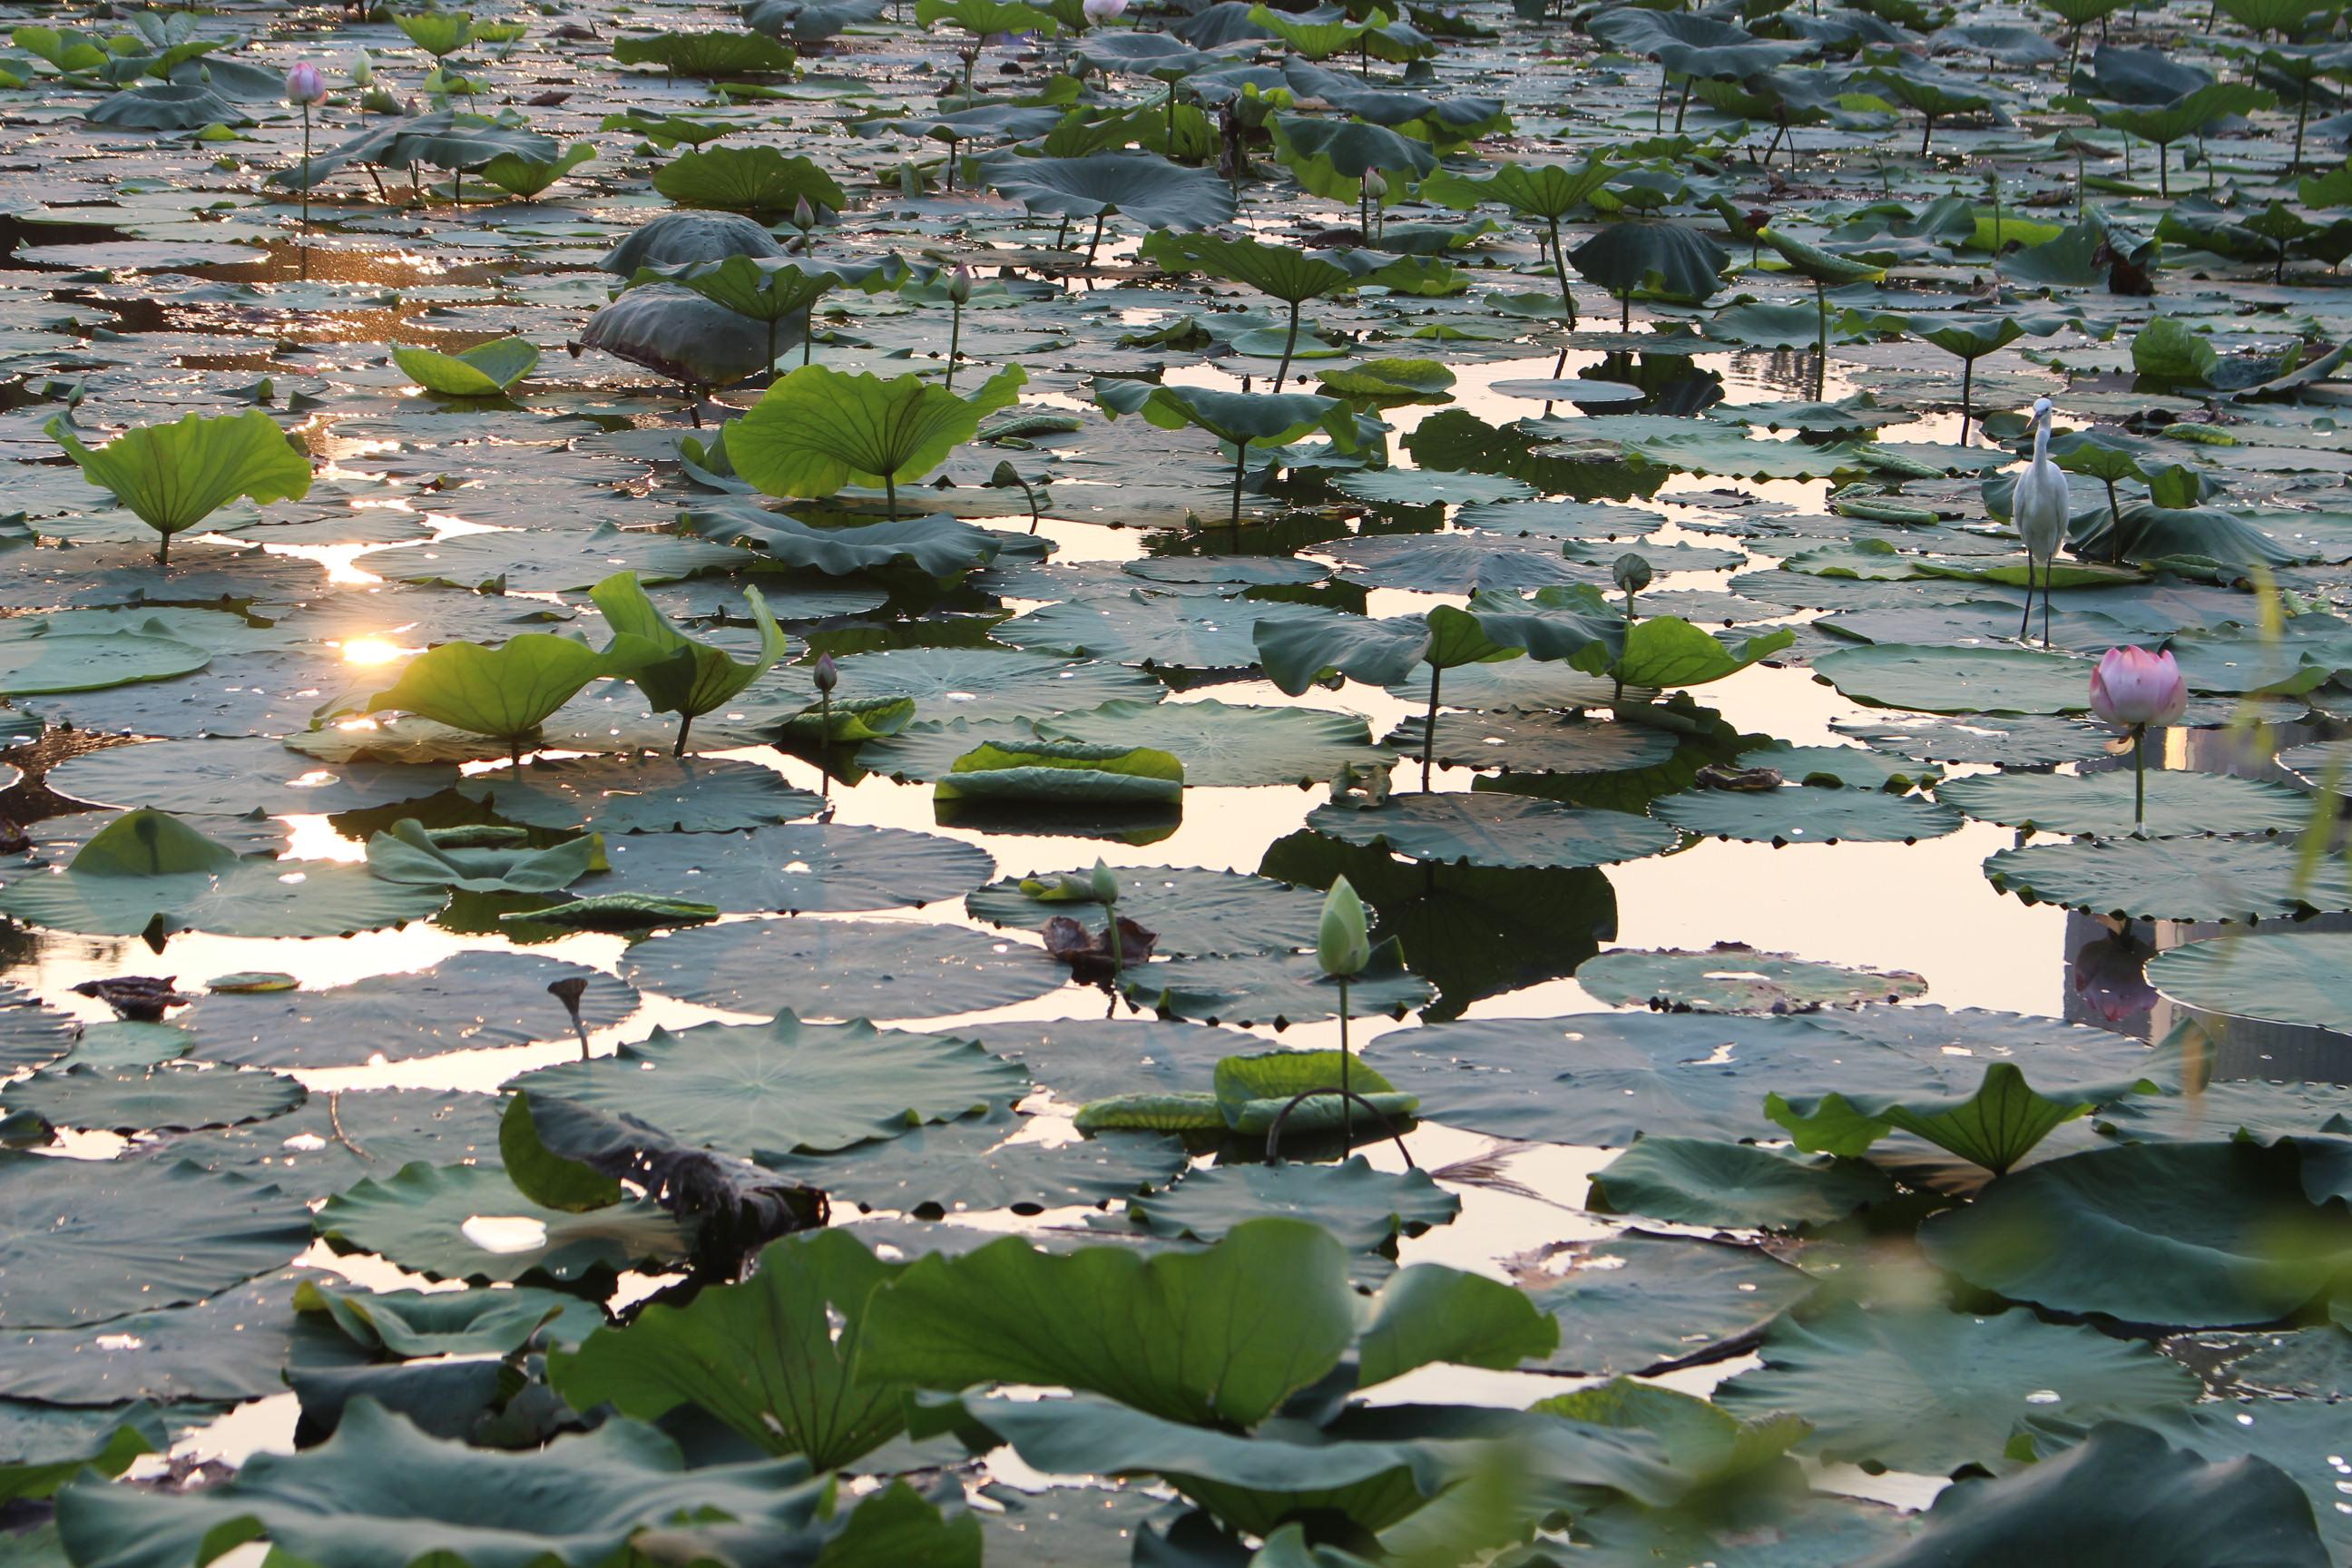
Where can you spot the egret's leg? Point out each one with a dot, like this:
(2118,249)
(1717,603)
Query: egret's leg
(2025,625)
(2045,601)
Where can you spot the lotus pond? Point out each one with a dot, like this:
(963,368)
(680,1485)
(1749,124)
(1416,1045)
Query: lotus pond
(857,784)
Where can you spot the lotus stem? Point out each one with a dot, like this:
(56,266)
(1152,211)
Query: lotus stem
(306,175)
(1429,728)
(808,331)
(955,338)
(1821,356)
(824,740)
(1095,243)
(2139,780)
(163,551)
(1289,345)
(1241,469)
(1560,268)
(1967,380)
(1347,1095)
(1118,952)
(1682,105)
(685,723)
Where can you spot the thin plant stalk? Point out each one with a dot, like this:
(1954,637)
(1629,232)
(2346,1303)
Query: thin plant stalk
(1096,243)
(955,339)
(1241,471)
(306,176)
(1289,345)
(1346,1098)
(1560,268)
(1428,733)
(2139,780)
(824,740)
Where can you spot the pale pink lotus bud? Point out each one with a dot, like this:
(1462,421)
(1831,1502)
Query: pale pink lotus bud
(2133,688)
(960,284)
(304,85)
(828,674)
(1097,12)
(804,215)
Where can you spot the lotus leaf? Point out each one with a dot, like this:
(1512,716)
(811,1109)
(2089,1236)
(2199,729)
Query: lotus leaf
(175,476)
(843,969)
(486,370)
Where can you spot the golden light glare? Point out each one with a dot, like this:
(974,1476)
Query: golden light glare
(371,651)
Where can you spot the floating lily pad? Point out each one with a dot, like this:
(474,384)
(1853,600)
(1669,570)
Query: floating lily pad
(177,1097)
(1194,913)
(1082,1059)
(1535,743)
(799,868)
(2228,879)
(1698,1181)
(1638,1303)
(468,1223)
(647,795)
(147,872)
(2180,804)
(234,1345)
(842,969)
(87,1241)
(763,1092)
(2290,977)
(991,683)
(1364,1207)
(967,1166)
(2186,1234)
(1959,680)
(42,1446)
(1928,1390)
(1223,744)
(1732,977)
(468,1001)
(1495,830)
(1280,989)
(1802,813)
(233,777)
(338,1137)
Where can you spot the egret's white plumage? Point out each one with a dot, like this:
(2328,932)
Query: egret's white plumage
(2040,508)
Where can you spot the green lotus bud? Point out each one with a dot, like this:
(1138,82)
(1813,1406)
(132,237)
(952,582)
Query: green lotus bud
(828,674)
(960,285)
(1105,884)
(363,71)
(1631,572)
(1006,478)
(1376,185)
(803,216)
(1344,944)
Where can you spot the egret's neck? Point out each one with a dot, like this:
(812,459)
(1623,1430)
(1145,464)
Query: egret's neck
(2040,438)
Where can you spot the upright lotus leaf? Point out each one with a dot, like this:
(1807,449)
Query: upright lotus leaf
(439,33)
(520,174)
(406,852)
(505,692)
(773,1358)
(2126,1499)
(1143,187)
(1236,418)
(1666,652)
(709,55)
(760,181)
(1995,1127)
(773,289)
(2192,1235)
(148,874)
(1665,259)
(1330,157)
(175,476)
(677,333)
(817,429)
(682,239)
(1283,272)
(686,678)
(380,1491)
(2192,114)
(1299,653)
(1547,192)
(984,18)
(485,369)
(1218,1337)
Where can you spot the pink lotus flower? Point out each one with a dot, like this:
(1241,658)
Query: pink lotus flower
(304,85)
(2133,689)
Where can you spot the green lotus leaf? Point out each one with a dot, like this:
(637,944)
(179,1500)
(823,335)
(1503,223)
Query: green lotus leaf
(687,677)
(1140,185)
(486,370)
(1662,259)
(423,1218)
(2180,804)
(174,1096)
(39,660)
(710,55)
(1329,156)
(688,239)
(2123,1499)
(1732,977)
(149,874)
(760,181)
(145,1237)
(1995,1127)
(984,18)
(1495,830)
(2220,878)
(379,1490)
(771,1358)
(1156,1332)
(1049,772)
(1280,989)
(520,174)
(1223,745)
(410,1323)
(980,1163)
(1236,418)
(757,1091)
(937,545)
(1254,1089)
(1959,680)
(1638,1303)
(816,429)
(505,692)
(2294,978)
(677,333)
(641,795)
(174,476)
(168,106)
(406,852)
(1923,1389)
(1800,814)
(1698,1181)
(43,1447)
(2190,1234)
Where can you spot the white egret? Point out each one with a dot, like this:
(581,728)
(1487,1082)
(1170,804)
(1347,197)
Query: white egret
(2040,508)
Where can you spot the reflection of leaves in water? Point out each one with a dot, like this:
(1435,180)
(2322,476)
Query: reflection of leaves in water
(1472,930)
